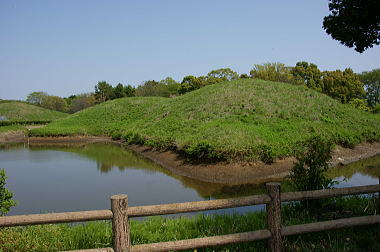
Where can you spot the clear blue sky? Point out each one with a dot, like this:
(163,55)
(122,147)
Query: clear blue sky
(66,47)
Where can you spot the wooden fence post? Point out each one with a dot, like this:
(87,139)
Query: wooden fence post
(120,225)
(274,216)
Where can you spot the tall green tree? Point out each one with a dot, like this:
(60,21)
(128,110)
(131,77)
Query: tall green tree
(224,74)
(272,72)
(371,81)
(342,85)
(129,91)
(169,86)
(36,97)
(148,88)
(103,92)
(355,23)
(308,74)
(54,103)
(190,83)
(118,91)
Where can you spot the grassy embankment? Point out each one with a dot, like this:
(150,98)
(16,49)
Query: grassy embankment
(20,113)
(237,120)
(99,234)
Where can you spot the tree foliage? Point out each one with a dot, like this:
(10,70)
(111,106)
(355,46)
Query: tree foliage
(103,92)
(355,23)
(342,85)
(82,101)
(360,104)
(371,81)
(272,72)
(6,201)
(166,88)
(226,74)
(54,103)
(308,74)
(190,83)
(36,97)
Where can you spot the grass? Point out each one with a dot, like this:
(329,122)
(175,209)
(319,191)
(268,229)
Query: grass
(9,128)
(19,111)
(238,120)
(156,229)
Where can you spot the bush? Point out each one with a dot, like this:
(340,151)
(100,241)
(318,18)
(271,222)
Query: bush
(266,154)
(6,201)
(308,173)
(202,152)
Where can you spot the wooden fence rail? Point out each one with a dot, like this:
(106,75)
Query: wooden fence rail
(120,214)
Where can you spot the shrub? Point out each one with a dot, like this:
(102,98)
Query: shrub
(6,201)
(266,154)
(308,173)
(202,152)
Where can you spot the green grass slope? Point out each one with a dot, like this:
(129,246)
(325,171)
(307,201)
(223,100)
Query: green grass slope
(243,119)
(19,111)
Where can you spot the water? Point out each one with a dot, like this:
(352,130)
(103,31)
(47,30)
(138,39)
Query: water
(58,179)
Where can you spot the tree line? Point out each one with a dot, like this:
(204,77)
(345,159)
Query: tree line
(360,90)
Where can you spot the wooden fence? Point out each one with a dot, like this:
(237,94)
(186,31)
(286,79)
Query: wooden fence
(120,213)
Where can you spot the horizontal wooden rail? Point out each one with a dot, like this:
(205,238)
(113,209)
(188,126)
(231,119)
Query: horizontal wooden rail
(327,193)
(196,206)
(92,250)
(203,242)
(35,219)
(120,212)
(329,225)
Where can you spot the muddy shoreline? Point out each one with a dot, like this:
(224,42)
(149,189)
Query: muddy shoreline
(223,172)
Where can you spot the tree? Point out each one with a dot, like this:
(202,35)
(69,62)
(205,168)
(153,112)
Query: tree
(169,86)
(129,91)
(103,92)
(343,86)
(6,201)
(355,23)
(118,91)
(54,103)
(244,76)
(82,101)
(224,73)
(371,81)
(272,72)
(36,97)
(308,74)
(190,83)
(148,88)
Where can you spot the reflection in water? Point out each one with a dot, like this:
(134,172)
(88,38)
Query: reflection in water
(368,167)
(64,178)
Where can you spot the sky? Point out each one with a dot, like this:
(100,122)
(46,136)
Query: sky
(66,47)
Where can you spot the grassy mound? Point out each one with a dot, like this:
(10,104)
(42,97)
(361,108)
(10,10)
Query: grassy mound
(23,112)
(237,120)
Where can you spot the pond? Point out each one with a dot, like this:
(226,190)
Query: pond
(67,178)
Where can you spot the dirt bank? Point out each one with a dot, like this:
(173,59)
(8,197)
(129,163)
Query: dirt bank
(224,173)
(20,136)
(244,172)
